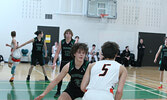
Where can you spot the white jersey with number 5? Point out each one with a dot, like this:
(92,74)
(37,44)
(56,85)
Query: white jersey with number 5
(104,75)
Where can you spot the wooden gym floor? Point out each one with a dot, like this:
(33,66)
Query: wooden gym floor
(141,83)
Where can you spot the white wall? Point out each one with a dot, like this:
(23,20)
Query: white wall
(15,15)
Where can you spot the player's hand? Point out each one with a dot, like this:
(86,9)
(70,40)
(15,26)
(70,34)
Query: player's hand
(39,97)
(17,47)
(53,66)
(7,44)
(45,55)
(155,60)
(11,54)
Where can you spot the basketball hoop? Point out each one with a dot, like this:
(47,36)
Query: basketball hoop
(104,18)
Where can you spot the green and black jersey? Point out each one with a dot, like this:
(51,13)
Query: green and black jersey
(37,46)
(163,51)
(77,74)
(66,50)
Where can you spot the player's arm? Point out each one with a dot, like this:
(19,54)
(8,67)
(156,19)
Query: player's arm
(91,52)
(56,55)
(8,45)
(15,45)
(157,54)
(45,47)
(32,40)
(52,49)
(86,78)
(122,79)
(60,76)
(76,41)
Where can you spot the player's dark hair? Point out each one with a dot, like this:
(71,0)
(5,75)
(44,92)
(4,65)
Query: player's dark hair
(165,38)
(79,46)
(110,49)
(76,37)
(13,33)
(94,45)
(126,46)
(38,32)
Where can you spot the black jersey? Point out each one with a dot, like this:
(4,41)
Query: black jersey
(37,45)
(77,74)
(141,48)
(66,50)
(163,51)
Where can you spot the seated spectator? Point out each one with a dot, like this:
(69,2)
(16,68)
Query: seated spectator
(126,56)
(54,48)
(118,58)
(92,54)
(76,39)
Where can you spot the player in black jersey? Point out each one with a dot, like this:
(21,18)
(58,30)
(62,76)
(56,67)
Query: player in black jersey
(65,47)
(38,44)
(163,61)
(76,69)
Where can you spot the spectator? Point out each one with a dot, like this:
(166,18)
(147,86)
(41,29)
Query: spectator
(76,39)
(126,56)
(54,49)
(92,54)
(141,48)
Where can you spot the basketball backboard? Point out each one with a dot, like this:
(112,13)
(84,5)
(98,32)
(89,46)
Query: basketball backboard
(98,7)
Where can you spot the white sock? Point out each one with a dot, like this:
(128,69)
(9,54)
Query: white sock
(160,82)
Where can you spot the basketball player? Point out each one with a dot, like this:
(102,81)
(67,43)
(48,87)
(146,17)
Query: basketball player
(76,69)
(38,44)
(15,55)
(163,61)
(65,47)
(102,76)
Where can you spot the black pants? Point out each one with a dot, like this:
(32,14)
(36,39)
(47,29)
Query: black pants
(73,91)
(118,59)
(140,59)
(63,63)
(125,62)
(1,58)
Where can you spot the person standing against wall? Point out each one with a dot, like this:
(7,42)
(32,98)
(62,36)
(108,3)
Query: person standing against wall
(141,48)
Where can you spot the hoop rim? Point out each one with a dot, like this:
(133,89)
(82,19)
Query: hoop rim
(103,15)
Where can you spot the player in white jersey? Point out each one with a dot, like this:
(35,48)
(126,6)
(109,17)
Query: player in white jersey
(15,55)
(102,76)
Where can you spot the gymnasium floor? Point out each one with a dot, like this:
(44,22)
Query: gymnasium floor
(141,84)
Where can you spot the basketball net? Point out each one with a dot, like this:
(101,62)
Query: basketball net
(104,18)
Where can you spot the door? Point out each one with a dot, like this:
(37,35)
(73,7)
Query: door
(152,43)
(51,35)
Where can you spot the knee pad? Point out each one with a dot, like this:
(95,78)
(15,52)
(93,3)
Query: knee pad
(13,70)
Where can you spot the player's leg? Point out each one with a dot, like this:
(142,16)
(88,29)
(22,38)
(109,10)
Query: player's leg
(161,79)
(60,83)
(10,63)
(41,62)
(64,96)
(29,73)
(33,63)
(13,71)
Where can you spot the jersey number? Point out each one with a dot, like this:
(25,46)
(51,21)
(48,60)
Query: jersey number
(104,69)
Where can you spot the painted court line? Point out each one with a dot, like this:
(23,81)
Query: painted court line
(145,79)
(147,90)
(41,73)
(148,87)
(55,90)
(31,82)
